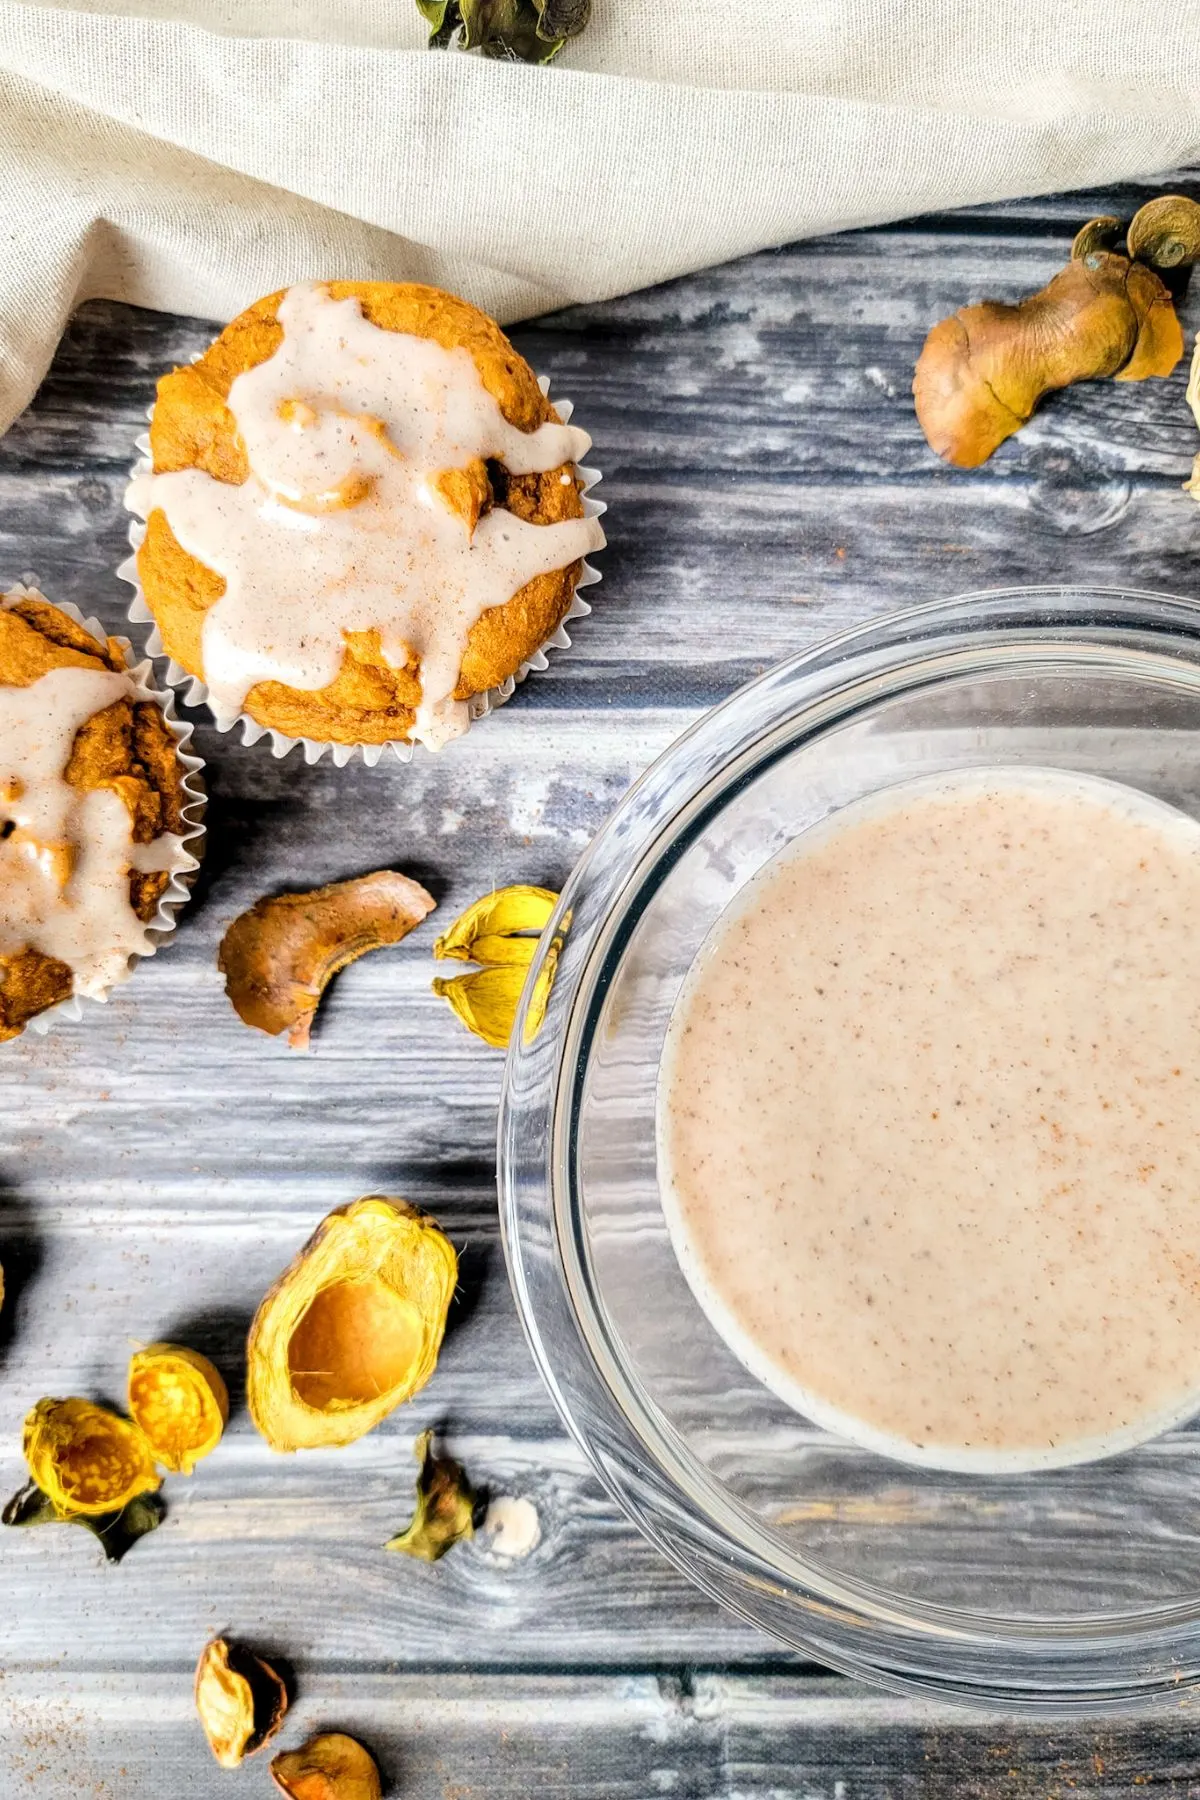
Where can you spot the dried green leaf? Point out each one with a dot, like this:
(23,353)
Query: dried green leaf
(561,19)
(116,1532)
(445,19)
(512,30)
(446,1506)
(505,29)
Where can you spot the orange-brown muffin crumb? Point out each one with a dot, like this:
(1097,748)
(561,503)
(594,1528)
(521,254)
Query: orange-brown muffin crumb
(127,747)
(371,700)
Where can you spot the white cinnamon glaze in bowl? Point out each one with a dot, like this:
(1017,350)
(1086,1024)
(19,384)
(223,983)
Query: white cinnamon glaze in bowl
(1075,1587)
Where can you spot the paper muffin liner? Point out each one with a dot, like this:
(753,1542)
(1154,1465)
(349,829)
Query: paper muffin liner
(195,691)
(175,895)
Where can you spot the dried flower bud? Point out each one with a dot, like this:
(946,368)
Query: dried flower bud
(1166,232)
(446,1506)
(515,30)
(329,1767)
(181,1403)
(241,1701)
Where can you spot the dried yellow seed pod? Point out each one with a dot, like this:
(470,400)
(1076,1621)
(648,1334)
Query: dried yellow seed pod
(485,1001)
(489,932)
(180,1401)
(241,1701)
(501,933)
(352,1328)
(86,1459)
(445,1510)
(329,1767)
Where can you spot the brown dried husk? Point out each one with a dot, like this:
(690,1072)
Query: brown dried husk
(352,1328)
(330,1766)
(241,1701)
(279,957)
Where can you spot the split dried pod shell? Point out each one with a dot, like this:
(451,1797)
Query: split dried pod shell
(279,957)
(181,1403)
(501,933)
(330,1766)
(445,1509)
(241,1700)
(86,1459)
(1166,232)
(353,1326)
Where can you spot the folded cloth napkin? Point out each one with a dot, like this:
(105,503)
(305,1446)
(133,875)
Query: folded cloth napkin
(194,154)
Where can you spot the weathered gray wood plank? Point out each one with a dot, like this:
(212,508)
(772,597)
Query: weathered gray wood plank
(159,1164)
(708,1736)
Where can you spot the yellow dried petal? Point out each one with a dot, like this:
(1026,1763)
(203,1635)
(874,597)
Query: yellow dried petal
(86,1459)
(240,1700)
(331,1766)
(181,1403)
(501,914)
(486,1001)
(352,1328)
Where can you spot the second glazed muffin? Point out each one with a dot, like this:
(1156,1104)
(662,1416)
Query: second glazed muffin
(94,825)
(362,512)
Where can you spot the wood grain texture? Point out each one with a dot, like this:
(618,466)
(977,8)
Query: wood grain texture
(597,1737)
(768,484)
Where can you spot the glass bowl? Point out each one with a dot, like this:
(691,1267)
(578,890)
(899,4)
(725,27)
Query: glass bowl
(1069,1589)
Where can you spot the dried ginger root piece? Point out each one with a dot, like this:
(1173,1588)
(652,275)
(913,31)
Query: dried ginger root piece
(330,1766)
(445,1510)
(86,1459)
(353,1326)
(278,957)
(982,372)
(181,1403)
(240,1700)
(501,932)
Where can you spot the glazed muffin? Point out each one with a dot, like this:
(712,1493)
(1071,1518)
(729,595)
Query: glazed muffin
(361,512)
(92,822)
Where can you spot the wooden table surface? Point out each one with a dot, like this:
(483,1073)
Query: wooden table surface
(767,484)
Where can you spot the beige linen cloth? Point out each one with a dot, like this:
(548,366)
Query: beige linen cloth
(194,154)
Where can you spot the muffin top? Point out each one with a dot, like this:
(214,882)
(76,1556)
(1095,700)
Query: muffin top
(91,811)
(361,511)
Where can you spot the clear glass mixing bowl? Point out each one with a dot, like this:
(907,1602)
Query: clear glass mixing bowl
(1076,1588)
